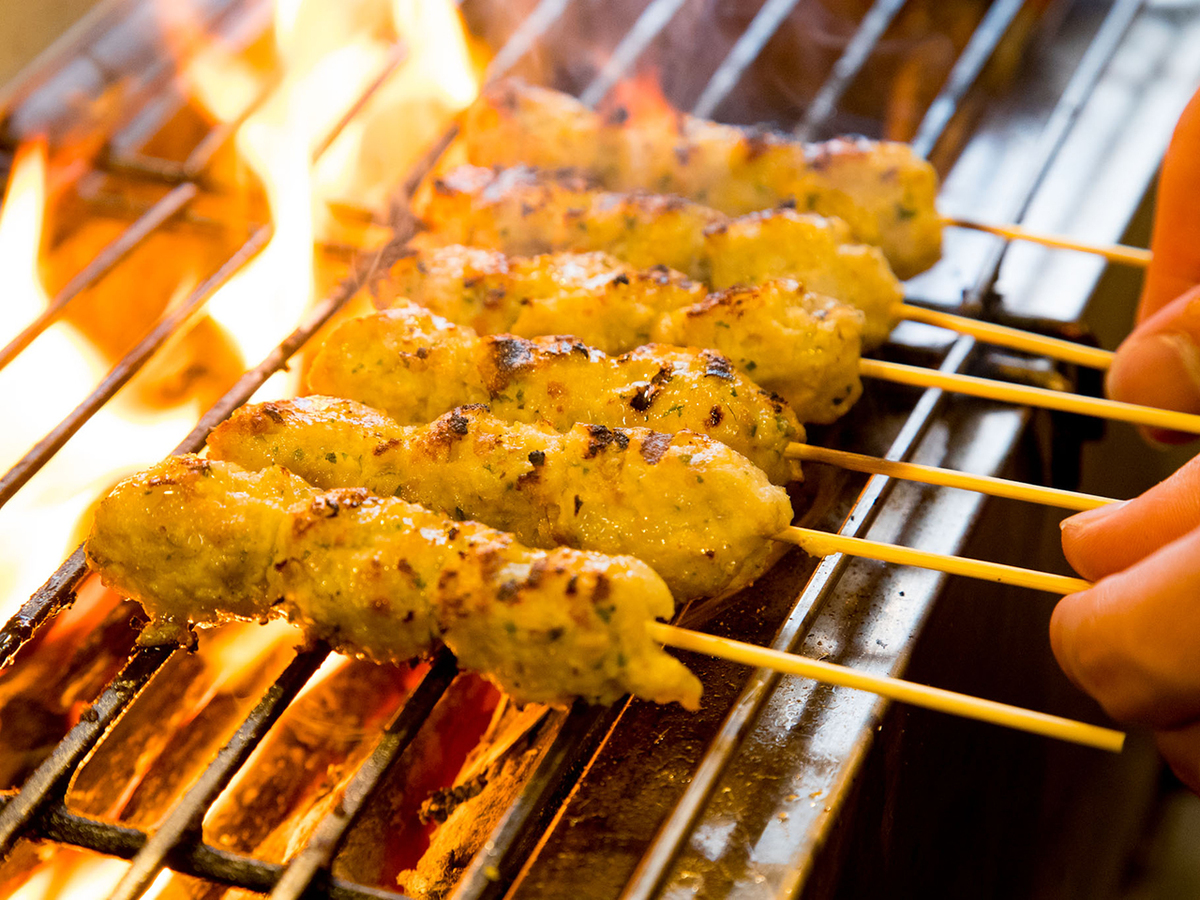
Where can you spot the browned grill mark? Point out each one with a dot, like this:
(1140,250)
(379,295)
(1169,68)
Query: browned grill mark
(654,446)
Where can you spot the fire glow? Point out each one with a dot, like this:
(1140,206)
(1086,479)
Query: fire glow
(306,149)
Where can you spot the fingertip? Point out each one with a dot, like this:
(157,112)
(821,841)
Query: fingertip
(1077,532)
(1160,369)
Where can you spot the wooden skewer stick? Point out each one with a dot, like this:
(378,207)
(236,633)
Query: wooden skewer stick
(1003,336)
(1118,253)
(983,484)
(822,543)
(1031,396)
(892,688)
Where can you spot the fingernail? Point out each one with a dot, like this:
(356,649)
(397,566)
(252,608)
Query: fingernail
(1160,370)
(1090,517)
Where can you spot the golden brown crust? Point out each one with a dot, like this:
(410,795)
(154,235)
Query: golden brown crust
(387,580)
(594,296)
(192,540)
(798,344)
(699,514)
(416,366)
(525,211)
(787,339)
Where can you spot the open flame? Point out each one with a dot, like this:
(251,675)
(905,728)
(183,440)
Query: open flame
(41,386)
(327,64)
(326,55)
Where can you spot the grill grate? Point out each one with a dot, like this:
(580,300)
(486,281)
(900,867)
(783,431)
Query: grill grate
(39,809)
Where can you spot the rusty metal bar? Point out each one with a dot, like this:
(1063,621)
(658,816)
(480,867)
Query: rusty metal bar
(491,872)
(314,859)
(49,780)
(186,816)
(199,860)
(396,55)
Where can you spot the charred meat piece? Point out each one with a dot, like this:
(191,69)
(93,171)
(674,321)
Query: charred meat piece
(698,513)
(384,579)
(415,366)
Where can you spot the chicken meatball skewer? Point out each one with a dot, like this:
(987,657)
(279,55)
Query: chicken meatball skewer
(408,347)
(881,189)
(199,541)
(527,212)
(416,366)
(698,513)
(792,342)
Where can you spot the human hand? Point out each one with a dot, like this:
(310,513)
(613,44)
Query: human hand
(1159,363)
(1132,641)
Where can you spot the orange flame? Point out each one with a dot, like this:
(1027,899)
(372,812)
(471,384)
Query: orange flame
(38,389)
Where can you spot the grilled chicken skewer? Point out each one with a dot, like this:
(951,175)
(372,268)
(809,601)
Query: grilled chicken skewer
(416,366)
(198,541)
(525,212)
(699,514)
(748,322)
(881,190)
(800,345)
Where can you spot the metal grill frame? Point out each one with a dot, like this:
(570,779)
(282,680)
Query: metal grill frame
(39,809)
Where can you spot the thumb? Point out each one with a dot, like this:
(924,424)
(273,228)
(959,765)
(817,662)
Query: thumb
(1159,363)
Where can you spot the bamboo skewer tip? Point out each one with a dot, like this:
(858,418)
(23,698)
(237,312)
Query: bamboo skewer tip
(892,688)
(821,543)
(1117,253)
(1025,395)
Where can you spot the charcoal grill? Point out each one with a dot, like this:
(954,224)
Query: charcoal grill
(778,788)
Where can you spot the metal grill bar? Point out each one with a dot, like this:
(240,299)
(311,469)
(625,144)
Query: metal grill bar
(317,853)
(198,859)
(974,57)
(649,25)
(185,818)
(521,41)
(744,52)
(58,591)
(213,864)
(667,844)
(119,376)
(396,56)
(49,779)
(497,863)
(870,31)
